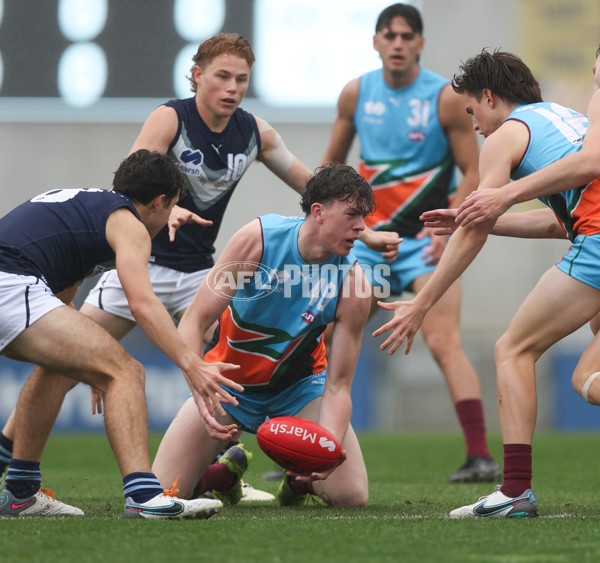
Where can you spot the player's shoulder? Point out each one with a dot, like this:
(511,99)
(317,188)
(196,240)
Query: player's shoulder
(349,96)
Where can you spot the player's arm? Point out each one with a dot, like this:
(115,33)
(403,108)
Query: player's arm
(576,169)
(237,262)
(500,153)
(458,126)
(343,130)
(157,134)
(275,155)
(351,315)
(535,223)
(158,131)
(130,241)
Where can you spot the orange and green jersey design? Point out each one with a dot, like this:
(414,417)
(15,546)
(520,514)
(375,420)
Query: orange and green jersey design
(400,200)
(272,328)
(405,154)
(554,132)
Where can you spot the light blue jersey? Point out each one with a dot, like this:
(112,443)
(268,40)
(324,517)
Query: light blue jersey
(555,132)
(272,327)
(405,154)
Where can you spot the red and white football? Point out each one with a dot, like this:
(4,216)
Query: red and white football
(297,444)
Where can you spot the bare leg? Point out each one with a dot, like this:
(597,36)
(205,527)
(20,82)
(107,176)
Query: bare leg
(348,485)
(584,374)
(441,332)
(535,327)
(68,342)
(54,388)
(116,326)
(186,450)
(9,426)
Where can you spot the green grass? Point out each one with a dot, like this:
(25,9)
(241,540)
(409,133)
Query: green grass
(406,519)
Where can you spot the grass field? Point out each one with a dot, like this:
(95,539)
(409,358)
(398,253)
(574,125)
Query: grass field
(405,521)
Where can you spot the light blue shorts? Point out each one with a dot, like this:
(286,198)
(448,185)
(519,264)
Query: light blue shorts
(406,268)
(255,408)
(582,262)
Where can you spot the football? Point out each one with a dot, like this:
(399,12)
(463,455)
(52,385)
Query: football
(299,445)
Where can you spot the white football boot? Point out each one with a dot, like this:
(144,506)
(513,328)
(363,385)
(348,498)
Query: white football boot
(42,503)
(498,505)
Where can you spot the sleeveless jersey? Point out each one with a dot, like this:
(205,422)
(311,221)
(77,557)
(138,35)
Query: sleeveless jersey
(405,155)
(554,132)
(59,236)
(272,327)
(213,164)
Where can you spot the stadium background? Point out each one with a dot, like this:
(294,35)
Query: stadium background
(78,78)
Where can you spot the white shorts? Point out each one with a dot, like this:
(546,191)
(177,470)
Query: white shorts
(23,300)
(175,290)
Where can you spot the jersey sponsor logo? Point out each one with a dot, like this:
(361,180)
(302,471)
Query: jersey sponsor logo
(416,136)
(374,108)
(308,317)
(192,157)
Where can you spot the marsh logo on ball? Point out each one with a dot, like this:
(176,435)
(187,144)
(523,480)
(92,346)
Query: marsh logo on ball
(300,445)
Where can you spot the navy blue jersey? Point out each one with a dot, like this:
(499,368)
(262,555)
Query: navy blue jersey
(213,164)
(60,236)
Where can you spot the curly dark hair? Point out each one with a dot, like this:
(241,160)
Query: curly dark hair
(505,74)
(145,174)
(338,182)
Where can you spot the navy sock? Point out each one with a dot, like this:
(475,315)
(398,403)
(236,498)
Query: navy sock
(6,448)
(141,487)
(23,478)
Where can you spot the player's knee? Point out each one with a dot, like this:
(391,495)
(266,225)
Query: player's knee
(506,350)
(135,371)
(351,495)
(358,498)
(126,372)
(588,386)
(441,345)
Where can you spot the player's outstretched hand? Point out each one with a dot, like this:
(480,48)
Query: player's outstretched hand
(483,205)
(385,242)
(214,428)
(205,381)
(318,476)
(442,222)
(432,252)
(407,320)
(180,216)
